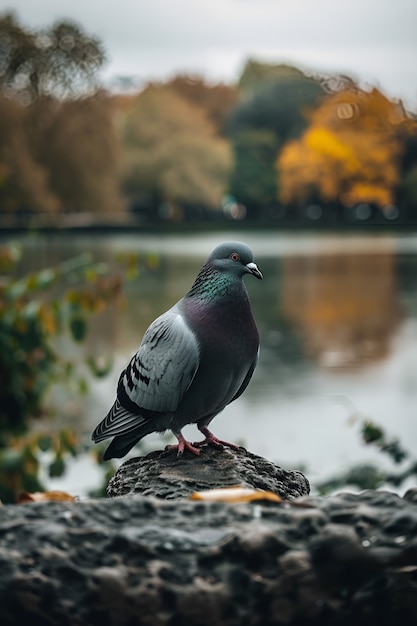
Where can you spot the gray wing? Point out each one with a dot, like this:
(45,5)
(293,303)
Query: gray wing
(164,366)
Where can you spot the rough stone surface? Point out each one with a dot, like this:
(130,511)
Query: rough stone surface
(163,475)
(334,561)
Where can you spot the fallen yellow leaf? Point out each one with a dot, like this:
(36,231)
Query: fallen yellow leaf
(235,494)
(44,496)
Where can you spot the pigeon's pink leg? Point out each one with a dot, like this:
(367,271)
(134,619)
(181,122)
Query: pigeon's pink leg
(211,440)
(182,445)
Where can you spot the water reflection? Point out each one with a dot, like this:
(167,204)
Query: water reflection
(344,307)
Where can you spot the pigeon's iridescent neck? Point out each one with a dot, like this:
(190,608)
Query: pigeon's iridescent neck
(211,285)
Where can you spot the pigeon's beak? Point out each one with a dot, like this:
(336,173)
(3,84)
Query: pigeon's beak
(253,269)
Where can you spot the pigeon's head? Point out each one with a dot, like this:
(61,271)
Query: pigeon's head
(234,257)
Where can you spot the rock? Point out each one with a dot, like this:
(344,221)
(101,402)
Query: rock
(154,557)
(318,561)
(163,475)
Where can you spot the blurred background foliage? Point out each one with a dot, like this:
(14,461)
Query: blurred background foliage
(172,150)
(60,61)
(39,313)
(351,151)
(279,136)
(370,476)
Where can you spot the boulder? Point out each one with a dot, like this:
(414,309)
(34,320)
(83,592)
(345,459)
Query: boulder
(163,475)
(145,560)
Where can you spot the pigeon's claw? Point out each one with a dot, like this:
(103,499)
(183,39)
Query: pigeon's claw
(211,440)
(182,445)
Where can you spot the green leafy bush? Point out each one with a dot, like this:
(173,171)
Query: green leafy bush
(34,310)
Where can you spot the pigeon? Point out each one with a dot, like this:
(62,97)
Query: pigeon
(193,361)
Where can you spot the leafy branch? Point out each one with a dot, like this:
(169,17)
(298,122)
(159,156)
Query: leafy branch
(35,310)
(366,475)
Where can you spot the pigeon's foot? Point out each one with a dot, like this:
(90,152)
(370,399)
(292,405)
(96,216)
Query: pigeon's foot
(211,440)
(182,445)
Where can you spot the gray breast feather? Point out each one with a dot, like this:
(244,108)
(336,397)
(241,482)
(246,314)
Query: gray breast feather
(165,364)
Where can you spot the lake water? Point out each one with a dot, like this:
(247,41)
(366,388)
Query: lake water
(337,315)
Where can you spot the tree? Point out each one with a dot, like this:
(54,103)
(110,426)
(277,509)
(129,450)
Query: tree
(350,152)
(253,179)
(216,100)
(278,105)
(257,74)
(24,182)
(58,147)
(273,109)
(172,152)
(407,191)
(75,140)
(60,60)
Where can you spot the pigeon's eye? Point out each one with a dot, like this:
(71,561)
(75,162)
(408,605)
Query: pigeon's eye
(234,256)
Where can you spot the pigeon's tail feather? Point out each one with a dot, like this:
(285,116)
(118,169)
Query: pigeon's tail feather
(126,427)
(121,445)
(120,421)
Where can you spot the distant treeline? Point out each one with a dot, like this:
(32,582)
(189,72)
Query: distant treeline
(280,142)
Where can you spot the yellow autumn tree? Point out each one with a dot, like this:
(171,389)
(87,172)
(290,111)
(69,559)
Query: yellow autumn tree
(349,153)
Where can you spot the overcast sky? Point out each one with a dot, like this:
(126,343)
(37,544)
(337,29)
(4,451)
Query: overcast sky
(375,41)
